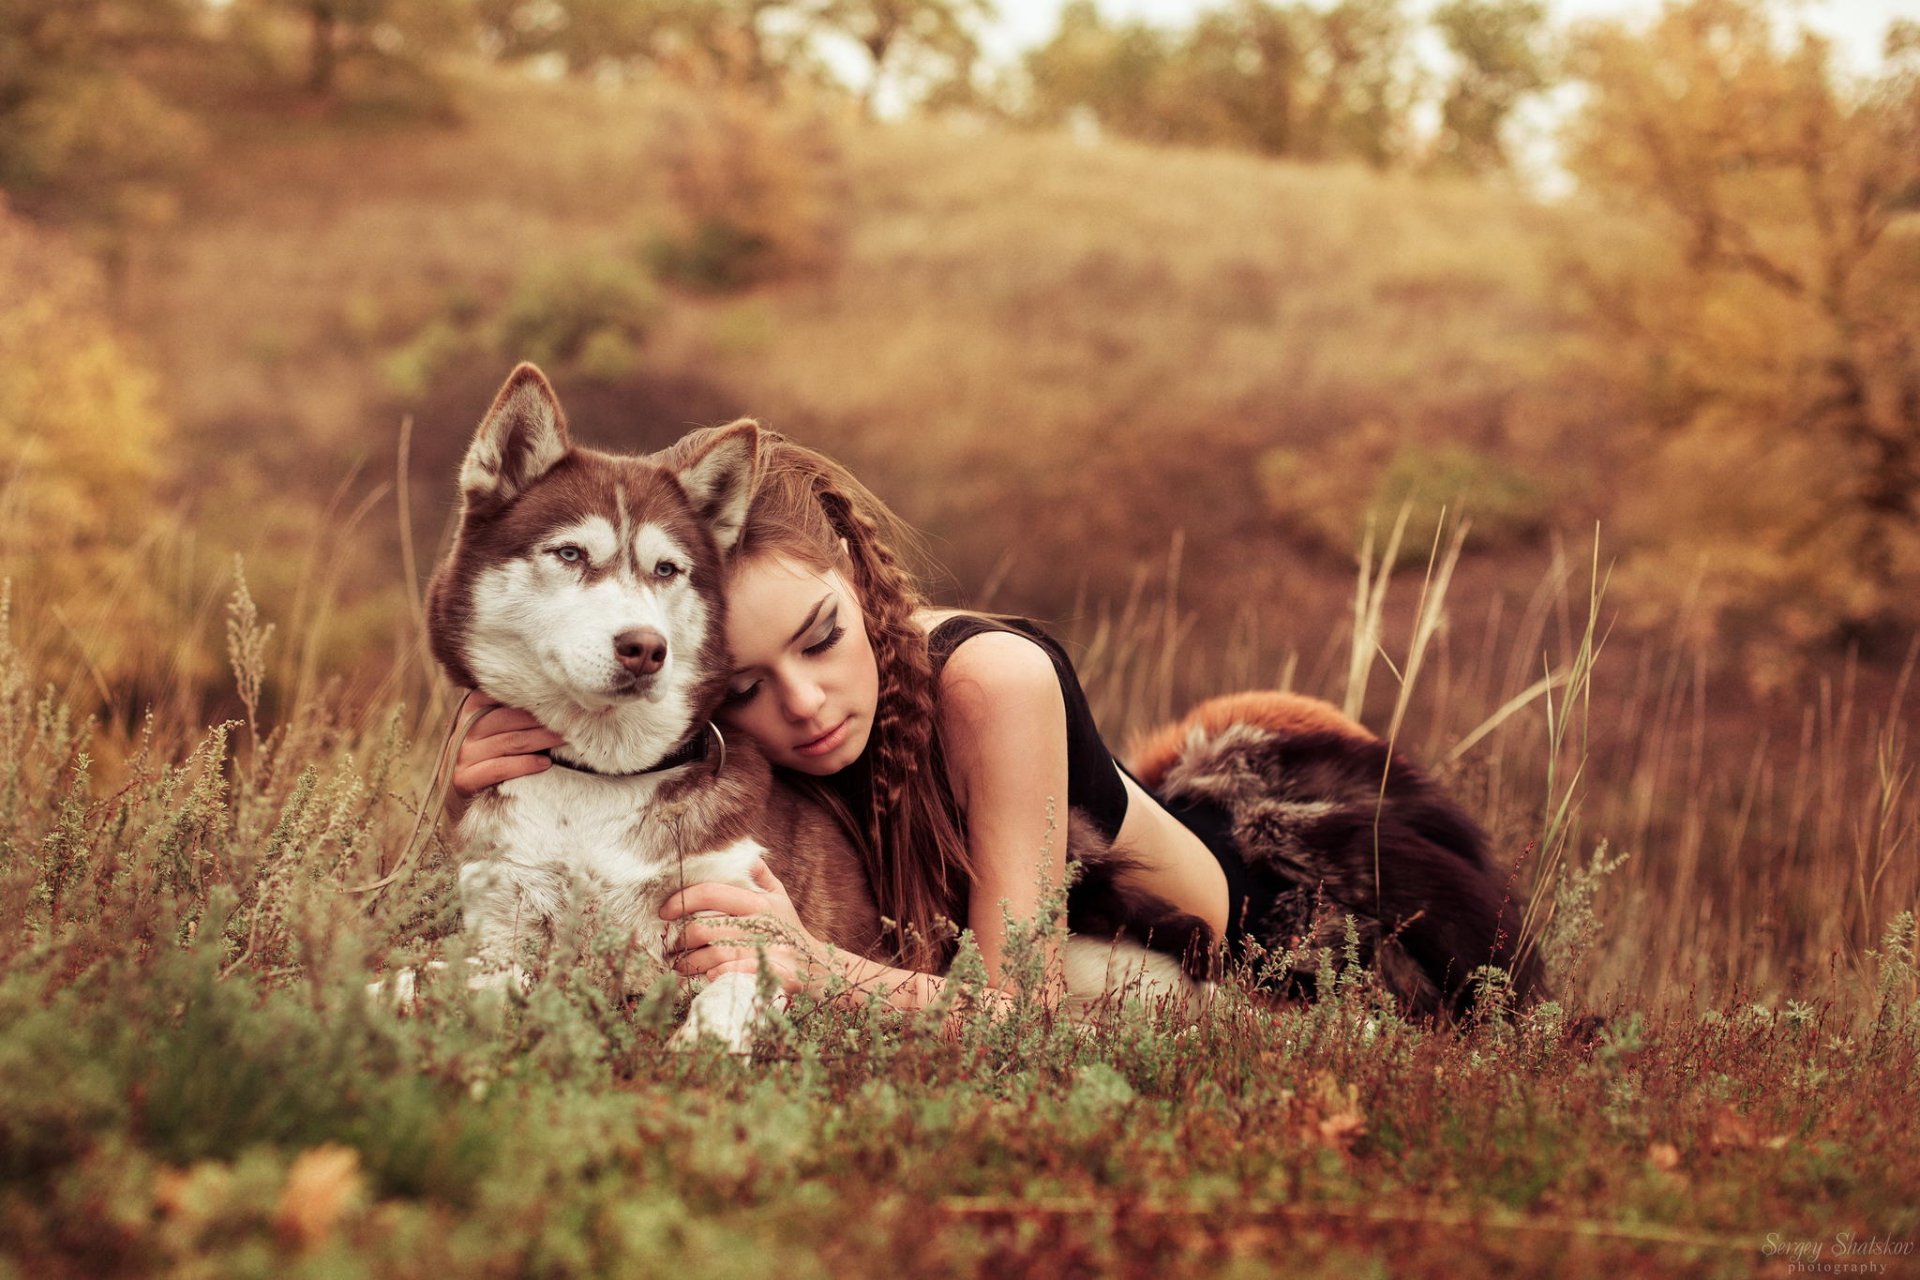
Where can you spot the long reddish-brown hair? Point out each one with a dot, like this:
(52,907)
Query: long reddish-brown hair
(895,802)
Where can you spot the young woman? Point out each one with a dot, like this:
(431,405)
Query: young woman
(951,747)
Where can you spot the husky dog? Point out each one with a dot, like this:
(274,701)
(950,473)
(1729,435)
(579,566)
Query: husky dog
(586,588)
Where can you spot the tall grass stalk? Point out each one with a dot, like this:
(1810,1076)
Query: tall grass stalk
(1369,604)
(1566,780)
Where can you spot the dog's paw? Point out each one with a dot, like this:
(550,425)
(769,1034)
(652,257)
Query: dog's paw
(400,990)
(486,977)
(737,1041)
(396,992)
(727,1009)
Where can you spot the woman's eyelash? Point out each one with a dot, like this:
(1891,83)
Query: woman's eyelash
(740,697)
(833,638)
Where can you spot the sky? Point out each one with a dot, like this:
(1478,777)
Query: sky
(1857,26)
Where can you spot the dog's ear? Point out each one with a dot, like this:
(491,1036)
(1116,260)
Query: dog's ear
(519,440)
(719,480)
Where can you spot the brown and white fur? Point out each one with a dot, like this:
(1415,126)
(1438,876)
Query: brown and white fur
(586,588)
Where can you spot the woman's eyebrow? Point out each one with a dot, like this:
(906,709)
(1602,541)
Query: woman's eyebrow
(812,618)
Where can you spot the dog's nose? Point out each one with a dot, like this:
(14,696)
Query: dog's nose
(642,650)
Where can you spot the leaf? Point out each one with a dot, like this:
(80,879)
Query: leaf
(324,1183)
(1330,1114)
(1731,1129)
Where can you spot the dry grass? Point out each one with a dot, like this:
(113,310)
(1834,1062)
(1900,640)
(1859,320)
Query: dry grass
(192,1078)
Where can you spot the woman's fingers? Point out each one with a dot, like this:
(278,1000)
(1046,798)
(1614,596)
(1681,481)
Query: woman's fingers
(471,780)
(734,966)
(503,719)
(703,962)
(504,744)
(511,742)
(732,931)
(727,899)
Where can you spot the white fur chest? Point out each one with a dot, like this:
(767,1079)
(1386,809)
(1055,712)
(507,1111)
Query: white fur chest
(560,848)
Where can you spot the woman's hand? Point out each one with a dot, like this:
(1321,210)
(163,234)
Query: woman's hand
(504,743)
(730,929)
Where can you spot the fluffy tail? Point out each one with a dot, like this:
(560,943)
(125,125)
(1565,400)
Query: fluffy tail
(1321,804)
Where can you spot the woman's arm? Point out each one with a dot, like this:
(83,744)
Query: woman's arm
(1003,725)
(750,927)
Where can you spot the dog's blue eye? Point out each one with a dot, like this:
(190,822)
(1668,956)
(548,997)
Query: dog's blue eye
(572,555)
(666,569)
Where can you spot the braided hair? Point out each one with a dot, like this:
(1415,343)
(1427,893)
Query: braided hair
(895,803)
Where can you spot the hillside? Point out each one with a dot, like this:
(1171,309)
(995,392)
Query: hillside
(1092,345)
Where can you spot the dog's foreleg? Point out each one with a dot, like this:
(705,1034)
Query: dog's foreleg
(404,995)
(729,1009)
(494,913)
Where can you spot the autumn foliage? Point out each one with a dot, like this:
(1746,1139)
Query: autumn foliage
(1771,305)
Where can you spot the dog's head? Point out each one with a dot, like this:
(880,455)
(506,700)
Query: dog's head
(585,587)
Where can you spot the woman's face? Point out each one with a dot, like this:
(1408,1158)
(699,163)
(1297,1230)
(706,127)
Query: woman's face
(804,683)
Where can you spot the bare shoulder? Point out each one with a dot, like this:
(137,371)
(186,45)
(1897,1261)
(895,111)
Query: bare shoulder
(998,672)
(1003,720)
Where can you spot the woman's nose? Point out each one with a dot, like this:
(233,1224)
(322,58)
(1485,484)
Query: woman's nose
(803,699)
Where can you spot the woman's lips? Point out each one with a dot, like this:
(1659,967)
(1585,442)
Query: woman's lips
(827,741)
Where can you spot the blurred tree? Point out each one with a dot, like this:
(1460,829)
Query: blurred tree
(1777,311)
(1367,84)
(82,441)
(83,137)
(736,42)
(408,33)
(1498,48)
(927,40)
(1109,69)
(584,33)
(1286,80)
(1240,77)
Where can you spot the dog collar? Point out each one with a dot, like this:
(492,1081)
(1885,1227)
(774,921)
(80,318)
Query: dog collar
(706,744)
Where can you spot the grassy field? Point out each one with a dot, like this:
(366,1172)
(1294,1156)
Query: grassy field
(1148,395)
(194,1082)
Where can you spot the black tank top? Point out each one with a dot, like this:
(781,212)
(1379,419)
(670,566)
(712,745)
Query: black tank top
(1094,785)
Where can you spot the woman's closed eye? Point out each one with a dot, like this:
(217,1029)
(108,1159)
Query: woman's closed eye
(740,695)
(832,638)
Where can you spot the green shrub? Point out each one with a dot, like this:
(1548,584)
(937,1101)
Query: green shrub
(411,369)
(758,194)
(587,304)
(1326,496)
(1506,505)
(717,256)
